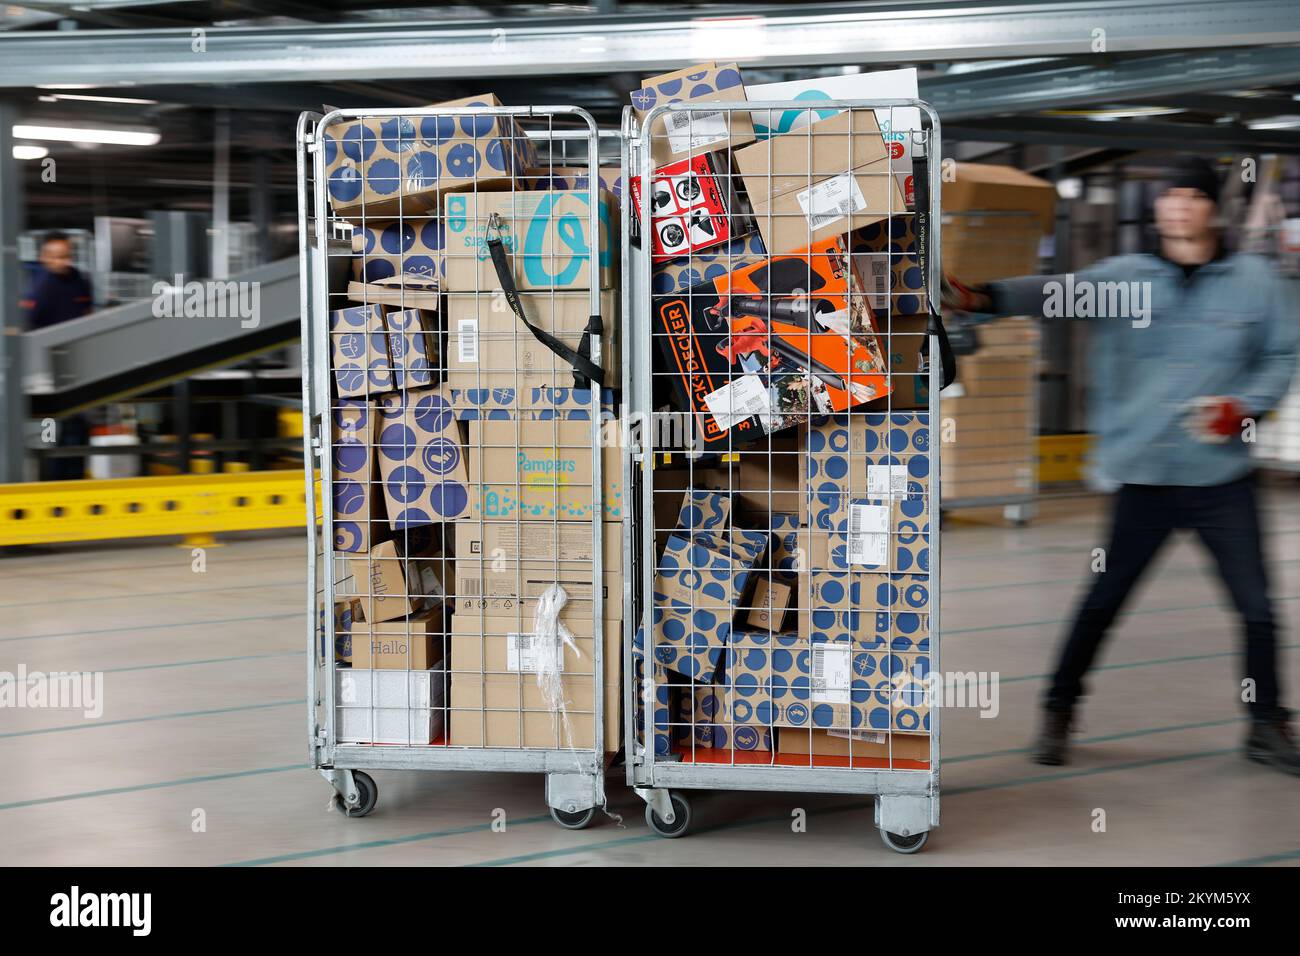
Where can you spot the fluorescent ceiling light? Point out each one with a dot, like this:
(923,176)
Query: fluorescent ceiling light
(86,134)
(89,98)
(23,151)
(1275,122)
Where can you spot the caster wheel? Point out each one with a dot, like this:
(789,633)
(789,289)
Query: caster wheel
(905,844)
(367,793)
(578,820)
(681,819)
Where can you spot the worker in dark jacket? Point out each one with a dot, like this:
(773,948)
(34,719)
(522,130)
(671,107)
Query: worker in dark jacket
(59,292)
(1203,347)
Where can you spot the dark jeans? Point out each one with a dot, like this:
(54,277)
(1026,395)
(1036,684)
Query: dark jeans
(1226,517)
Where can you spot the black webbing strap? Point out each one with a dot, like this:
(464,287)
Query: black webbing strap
(585,371)
(934,326)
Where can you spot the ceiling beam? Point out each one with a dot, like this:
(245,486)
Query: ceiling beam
(857,33)
(1125,134)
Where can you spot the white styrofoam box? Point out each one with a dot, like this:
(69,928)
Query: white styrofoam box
(389,706)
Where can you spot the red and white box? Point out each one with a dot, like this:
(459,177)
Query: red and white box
(688,208)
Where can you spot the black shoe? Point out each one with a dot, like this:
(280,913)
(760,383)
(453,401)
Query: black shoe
(1272,744)
(1054,739)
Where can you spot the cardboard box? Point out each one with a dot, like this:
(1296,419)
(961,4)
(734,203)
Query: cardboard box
(508,644)
(359,350)
(882,747)
(741,346)
(768,605)
(709,725)
(470,404)
(889,536)
(546,235)
(897,124)
(678,275)
(389,706)
(864,455)
(704,510)
(660,730)
(678,135)
(768,478)
(405,292)
(511,711)
(506,547)
(884,257)
(822,183)
(393,586)
(402,165)
(360,519)
(346,614)
(490,348)
(541,470)
(414,344)
(421,459)
(874,609)
(400,256)
(690,206)
(414,643)
(981,187)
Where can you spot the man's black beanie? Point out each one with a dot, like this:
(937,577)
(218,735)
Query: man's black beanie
(1195,173)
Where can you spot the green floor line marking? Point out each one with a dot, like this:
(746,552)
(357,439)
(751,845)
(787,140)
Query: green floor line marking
(181,782)
(388,841)
(1102,739)
(155,627)
(1261,860)
(204,660)
(594,847)
(1124,665)
(179,715)
(1081,525)
(148,594)
(1068,620)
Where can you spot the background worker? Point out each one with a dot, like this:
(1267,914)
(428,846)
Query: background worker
(1172,403)
(59,293)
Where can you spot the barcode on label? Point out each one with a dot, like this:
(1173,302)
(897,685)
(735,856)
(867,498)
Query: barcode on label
(690,130)
(467,340)
(745,397)
(830,673)
(829,201)
(526,654)
(878,282)
(868,537)
(470,587)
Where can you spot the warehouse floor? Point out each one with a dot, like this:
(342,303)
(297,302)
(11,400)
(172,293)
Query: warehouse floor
(204,684)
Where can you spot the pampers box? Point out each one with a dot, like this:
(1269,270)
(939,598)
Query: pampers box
(421,459)
(546,235)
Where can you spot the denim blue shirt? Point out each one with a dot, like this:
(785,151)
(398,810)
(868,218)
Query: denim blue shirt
(1228,329)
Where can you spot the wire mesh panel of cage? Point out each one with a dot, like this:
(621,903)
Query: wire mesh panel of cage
(782,626)
(459,346)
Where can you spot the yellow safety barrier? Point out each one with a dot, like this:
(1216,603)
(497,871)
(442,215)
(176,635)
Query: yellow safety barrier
(1061,457)
(59,511)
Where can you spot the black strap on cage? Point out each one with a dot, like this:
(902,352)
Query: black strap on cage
(585,371)
(934,325)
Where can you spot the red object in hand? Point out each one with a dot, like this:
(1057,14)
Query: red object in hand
(1222,417)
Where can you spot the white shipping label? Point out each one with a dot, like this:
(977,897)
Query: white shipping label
(738,400)
(467,341)
(692,131)
(526,653)
(886,481)
(826,202)
(865,736)
(868,537)
(831,665)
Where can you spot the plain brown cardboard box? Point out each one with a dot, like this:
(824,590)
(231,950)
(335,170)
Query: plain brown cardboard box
(784,173)
(987,188)
(392,587)
(540,470)
(739,125)
(793,740)
(488,347)
(486,712)
(480,643)
(414,643)
(556,544)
